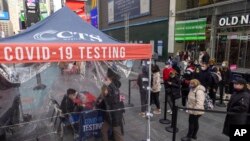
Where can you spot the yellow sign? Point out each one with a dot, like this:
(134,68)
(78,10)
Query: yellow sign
(93,4)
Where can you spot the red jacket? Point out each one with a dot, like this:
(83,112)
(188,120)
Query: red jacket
(166,73)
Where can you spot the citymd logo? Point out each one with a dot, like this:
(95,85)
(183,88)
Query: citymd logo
(52,35)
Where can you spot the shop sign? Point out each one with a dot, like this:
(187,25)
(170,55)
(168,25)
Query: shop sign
(190,30)
(234,20)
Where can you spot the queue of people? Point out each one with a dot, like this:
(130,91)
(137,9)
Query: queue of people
(198,82)
(192,82)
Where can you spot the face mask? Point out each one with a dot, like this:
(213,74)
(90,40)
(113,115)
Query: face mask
(172,76)
(107,83)
(167,66)
(223,65)
(191,86)
(203,68)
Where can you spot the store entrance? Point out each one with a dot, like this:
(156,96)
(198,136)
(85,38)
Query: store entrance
(234,48)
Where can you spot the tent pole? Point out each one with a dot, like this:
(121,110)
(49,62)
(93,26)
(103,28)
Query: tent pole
(149,115)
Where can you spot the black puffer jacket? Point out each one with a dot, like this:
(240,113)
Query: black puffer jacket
(205,77)
(67,105)
(174,87)
(112,101)
(239,103)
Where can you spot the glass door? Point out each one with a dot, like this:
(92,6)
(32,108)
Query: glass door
(234,45)
(222,43)
(247,58)
(243,51)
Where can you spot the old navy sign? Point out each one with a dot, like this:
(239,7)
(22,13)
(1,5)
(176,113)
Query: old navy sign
(234,20)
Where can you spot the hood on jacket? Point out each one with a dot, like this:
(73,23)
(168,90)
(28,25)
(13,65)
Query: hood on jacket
(200,87)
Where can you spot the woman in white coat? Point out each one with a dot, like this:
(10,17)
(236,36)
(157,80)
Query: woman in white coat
(196,98)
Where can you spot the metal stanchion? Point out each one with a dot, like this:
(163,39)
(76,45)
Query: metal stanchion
(165,120)
(39,83)
(129,94)
(175,124)
(172,129)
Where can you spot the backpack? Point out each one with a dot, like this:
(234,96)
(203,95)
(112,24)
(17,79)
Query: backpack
(208,103)
(215,77)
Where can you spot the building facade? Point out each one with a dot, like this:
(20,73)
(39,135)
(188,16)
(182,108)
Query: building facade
(220,27)
(137,21)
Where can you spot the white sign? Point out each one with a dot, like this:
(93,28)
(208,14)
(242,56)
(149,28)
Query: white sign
(51,35)
(234,20)
(111,11)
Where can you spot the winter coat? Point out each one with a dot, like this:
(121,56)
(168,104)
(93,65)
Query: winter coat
(67,105)
(205,77)
(226,76)
(196,98)
(187,76)
(174,89)
(156,83)
(239,103)
(142,82)
(166,73)
(112,102)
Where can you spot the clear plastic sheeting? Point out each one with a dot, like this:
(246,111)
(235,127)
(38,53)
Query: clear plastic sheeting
(39,114)
(21,73)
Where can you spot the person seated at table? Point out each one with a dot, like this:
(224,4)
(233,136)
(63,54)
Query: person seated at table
(68,105)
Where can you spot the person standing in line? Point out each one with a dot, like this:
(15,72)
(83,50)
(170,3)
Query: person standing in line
(142,82)
(204,76)
(239,103)
(112,101)
(166,75)
(187,77)
(156,88)
(216,78)
(226,80)
(196,98)
(173,87)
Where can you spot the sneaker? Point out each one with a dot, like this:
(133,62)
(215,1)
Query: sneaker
(141,113)
(169,111)
(157,112)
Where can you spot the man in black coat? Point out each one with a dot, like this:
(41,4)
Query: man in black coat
(113,103)
(239,103)
(67,104)
(204,76)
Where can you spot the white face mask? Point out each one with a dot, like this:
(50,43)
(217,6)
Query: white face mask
(167,66)
(203,68)
(223,65)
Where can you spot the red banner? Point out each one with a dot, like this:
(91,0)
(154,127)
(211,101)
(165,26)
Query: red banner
(41,52)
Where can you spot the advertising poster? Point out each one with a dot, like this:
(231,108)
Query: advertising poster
(117,9)
(4,10)
(32,12)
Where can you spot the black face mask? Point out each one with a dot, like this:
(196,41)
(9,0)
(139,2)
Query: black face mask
(238,90)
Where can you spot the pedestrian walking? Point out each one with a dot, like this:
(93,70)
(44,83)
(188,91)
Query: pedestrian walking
(156,88)
(196,98)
